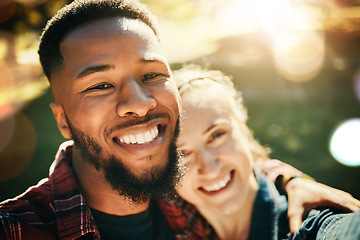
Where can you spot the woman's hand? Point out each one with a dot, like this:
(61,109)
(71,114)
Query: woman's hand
(305,195)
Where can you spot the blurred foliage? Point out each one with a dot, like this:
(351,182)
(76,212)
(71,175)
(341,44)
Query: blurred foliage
(31,16)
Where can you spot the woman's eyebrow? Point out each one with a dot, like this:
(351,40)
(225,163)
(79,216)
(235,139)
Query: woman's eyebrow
(94,69)
(216,123)
(209,128)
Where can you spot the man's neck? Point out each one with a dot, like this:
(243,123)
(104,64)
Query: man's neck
(98,193)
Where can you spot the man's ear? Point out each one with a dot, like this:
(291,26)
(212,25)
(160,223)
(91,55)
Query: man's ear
(61,120)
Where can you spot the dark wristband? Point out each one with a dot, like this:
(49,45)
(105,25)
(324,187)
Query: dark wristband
(283,179)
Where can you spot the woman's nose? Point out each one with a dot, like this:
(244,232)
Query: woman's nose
(208,162)
(134,99)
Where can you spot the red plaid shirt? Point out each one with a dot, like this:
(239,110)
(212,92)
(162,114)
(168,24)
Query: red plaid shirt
(55,209)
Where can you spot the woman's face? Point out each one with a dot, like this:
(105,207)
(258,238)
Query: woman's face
(216,154)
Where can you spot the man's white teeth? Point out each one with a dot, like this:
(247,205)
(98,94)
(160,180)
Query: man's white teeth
(140,138)
(126,139)
(219,185)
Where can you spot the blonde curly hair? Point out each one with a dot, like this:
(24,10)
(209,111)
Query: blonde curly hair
(192,76)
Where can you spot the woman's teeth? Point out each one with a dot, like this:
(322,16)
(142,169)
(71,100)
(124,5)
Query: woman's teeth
(219,185)
(140,138)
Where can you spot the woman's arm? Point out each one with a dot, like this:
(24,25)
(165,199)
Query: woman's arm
(304,193)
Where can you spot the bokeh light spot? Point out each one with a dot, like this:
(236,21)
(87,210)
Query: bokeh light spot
(3,48)
(344,143)
(7,126)
(357,85)
(274,130)
(339,63)
(299,56)
(35,18)
(6,11)
(18,154)
(4,2)
(292,143)
(6,78)
(5,111)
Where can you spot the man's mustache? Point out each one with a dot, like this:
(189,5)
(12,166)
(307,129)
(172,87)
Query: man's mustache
(136,121)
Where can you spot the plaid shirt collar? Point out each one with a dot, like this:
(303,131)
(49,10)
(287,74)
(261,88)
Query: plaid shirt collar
(73,216)
(185,220)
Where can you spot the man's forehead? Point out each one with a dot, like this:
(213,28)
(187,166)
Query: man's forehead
(112,25)
(110,29)
(88,45)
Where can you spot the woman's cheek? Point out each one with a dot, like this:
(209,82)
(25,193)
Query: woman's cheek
(186,184)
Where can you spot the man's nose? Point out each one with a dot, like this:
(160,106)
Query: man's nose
(134,99)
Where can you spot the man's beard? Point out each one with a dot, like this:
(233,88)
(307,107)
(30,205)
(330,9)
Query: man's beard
(153,184)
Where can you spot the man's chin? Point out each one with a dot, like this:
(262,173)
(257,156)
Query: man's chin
(148,176)
(139,187)
(145,169)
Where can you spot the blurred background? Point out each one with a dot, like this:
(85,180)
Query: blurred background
(295,61)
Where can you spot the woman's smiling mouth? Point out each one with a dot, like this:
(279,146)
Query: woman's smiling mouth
(219,185)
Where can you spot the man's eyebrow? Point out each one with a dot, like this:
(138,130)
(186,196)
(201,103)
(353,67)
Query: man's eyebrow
(93,69)
(154,58)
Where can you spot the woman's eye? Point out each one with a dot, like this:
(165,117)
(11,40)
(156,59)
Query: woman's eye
(183,153)
(217,135)
(217,138)
(185,160)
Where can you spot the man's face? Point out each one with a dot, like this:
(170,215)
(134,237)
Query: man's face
(116,89)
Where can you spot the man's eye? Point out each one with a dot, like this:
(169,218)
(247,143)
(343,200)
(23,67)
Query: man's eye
(100,87)
(150,76)
(154,76)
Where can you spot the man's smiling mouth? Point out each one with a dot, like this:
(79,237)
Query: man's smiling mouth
(139,138)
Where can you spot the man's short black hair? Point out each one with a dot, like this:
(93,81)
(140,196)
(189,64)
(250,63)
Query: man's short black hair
(77,13)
